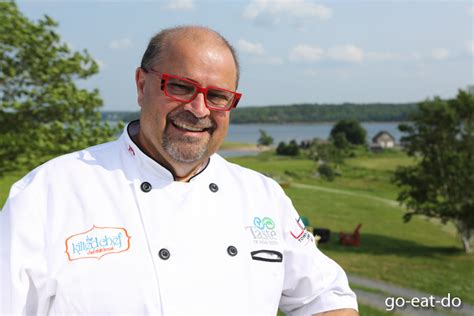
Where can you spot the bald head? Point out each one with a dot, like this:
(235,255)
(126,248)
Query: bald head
(164,40)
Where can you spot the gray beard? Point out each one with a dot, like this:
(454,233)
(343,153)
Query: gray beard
(185,149)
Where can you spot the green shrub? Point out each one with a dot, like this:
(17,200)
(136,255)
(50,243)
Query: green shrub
(291,149)
(326,172)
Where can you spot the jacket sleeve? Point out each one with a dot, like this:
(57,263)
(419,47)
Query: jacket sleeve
(22,265)
(313,283)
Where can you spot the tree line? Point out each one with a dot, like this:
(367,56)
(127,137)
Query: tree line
(304,113)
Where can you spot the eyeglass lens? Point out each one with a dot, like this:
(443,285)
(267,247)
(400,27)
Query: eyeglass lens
(186,91)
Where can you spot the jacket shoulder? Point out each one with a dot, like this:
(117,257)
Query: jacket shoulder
(69,164)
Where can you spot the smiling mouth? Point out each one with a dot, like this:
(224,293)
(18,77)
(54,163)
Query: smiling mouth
(189,128)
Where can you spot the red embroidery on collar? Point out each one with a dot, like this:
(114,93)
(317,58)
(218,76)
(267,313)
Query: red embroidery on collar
(130,150)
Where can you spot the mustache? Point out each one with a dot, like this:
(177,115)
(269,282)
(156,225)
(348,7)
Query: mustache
(189,119)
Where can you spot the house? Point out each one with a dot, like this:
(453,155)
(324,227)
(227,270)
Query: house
(383,140)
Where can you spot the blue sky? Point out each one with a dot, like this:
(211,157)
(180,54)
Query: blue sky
(291,51)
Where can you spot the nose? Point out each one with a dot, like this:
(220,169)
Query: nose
(198,106)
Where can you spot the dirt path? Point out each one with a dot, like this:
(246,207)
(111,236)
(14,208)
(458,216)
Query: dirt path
(339,191)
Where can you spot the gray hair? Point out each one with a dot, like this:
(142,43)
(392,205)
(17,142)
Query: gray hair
(158,44)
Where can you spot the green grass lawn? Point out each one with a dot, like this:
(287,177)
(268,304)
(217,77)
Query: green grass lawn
(421,254)
(354,176)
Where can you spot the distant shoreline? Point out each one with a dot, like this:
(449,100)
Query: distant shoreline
(244,147)
(286,123)
(319,122)
(306,113)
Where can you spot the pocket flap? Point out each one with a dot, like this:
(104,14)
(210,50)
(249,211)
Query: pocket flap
(267,255)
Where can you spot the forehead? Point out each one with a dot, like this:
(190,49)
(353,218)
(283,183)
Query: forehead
(200,58)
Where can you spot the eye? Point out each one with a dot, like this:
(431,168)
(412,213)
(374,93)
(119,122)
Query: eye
(219,97)
(179,87)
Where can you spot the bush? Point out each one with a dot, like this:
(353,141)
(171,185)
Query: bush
(291,149)
(326,172)
(326,152)
(264,139)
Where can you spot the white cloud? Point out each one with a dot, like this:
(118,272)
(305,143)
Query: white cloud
(258,52)
(306,53)
(440,53)
(180,5)
(388,56)
(286,10)
(348,53)
(122,43)
(353,54)
(470,47)
(251,48)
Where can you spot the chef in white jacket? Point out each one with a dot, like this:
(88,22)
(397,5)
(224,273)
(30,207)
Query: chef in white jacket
(157,223)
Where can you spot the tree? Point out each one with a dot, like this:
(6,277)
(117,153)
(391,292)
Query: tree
(326,152)
(326,172)
(340,141)
(42,111)
(440,184)
(352,130)
(291,149)
(264,139)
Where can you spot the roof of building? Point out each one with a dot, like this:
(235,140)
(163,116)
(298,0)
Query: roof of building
(382,133)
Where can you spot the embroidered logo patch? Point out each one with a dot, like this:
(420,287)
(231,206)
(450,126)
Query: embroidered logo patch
(131,151)
(97,242)
(300,233)
(300,230)
(263,231)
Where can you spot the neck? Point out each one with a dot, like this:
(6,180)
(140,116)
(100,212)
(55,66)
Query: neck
(188,173)
(182,172)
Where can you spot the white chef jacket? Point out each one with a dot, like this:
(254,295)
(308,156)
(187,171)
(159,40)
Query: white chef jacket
(107,230)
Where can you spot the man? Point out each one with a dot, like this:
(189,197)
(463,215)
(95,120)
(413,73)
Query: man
(156,222)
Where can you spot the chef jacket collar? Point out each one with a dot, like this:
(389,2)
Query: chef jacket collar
(144,162)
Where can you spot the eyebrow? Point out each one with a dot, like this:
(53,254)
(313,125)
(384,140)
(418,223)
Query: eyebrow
(198,83)
(190,79)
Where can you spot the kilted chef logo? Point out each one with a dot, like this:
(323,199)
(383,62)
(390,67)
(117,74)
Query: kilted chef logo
(97,242)
(263,231)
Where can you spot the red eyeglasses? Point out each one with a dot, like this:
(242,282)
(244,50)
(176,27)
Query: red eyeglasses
(185,90)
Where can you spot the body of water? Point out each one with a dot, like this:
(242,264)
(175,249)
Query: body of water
(249,133)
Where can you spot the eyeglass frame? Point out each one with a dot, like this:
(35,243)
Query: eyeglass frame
(199,88)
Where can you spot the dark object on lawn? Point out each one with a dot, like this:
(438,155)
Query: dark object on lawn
(324,233)
(353,239)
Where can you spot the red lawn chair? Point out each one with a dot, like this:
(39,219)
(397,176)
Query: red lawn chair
(348,239)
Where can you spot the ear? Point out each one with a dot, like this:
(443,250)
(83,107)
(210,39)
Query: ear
(140,83)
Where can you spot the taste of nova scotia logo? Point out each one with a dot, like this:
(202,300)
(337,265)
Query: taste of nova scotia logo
(97,242)
(263,231)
